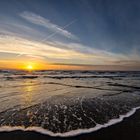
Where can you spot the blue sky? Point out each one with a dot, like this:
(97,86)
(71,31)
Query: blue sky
(93,32)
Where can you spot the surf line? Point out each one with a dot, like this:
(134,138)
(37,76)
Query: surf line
(73,132)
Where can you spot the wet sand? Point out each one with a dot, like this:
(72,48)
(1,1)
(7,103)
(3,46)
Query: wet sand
(128,129)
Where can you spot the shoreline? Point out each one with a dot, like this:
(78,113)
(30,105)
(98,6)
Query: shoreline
(129,128)
(73,132)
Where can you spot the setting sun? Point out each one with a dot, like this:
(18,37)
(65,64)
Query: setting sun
(29,67)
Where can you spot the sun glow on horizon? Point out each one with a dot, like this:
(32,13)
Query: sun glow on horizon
(29,67)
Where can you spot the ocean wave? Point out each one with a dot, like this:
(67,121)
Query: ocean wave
(73,132)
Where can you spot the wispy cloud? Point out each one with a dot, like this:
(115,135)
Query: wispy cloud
(58,52)
(20,30)
(39,20)
(17,45)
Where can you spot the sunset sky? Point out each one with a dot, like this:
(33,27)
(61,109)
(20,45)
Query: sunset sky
(70,34)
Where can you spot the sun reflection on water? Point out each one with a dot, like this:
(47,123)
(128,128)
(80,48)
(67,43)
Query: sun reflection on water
(28,93)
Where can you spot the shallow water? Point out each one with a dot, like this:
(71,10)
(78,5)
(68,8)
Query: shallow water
(66,101)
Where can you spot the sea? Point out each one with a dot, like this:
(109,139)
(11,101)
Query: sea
(66,103)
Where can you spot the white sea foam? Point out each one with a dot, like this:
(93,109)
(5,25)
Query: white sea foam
(73,132)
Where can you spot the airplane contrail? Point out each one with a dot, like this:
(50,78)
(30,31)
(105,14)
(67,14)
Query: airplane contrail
(53,34)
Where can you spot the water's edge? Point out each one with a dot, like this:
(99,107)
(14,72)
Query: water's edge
(73,132)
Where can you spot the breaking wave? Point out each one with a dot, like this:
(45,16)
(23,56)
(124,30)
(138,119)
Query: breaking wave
(73,132)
